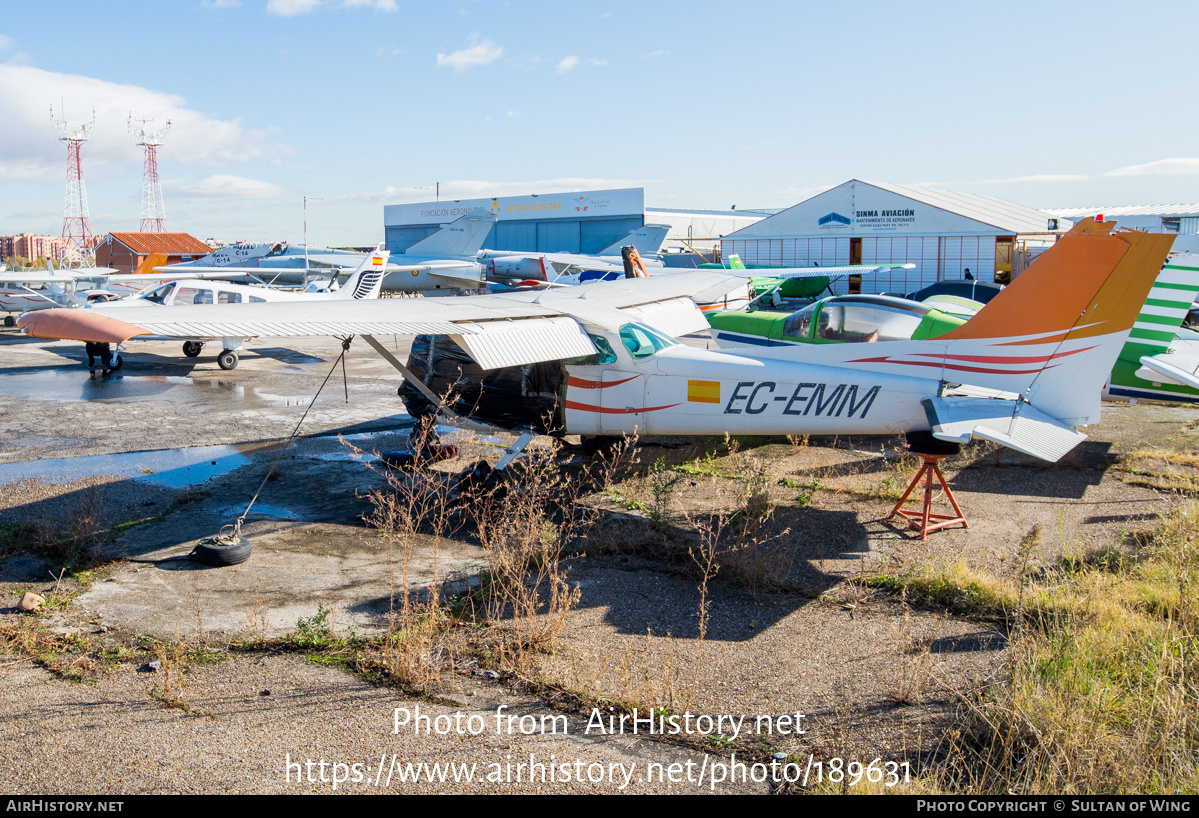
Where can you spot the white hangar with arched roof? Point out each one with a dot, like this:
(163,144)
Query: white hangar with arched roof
(942,233)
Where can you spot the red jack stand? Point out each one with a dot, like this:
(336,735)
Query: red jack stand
(925,521)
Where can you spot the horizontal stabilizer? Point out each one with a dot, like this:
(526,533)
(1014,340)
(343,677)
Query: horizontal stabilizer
(1170,367)
(496,344)
(1013,424)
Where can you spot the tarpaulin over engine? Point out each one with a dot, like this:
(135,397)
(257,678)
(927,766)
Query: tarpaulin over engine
(516,397)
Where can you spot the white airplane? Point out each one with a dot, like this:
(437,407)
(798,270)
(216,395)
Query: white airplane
(443,260)
(1028,367)
(21,291)
(527,268)
(363,284)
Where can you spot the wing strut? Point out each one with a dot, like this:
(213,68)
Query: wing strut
(437,400)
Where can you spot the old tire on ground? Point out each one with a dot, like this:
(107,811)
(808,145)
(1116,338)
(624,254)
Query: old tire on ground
(227,359)
(925,443)
(223,550)
(192,348)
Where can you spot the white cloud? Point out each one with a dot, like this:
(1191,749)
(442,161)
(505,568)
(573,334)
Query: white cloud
(377,5)
(1165,167)
(220,186)
(6,42)
(29,148)
(479,52)
(220,4)
(572,62)
(661,52)
(1035,178)
(513,114)
(290,8)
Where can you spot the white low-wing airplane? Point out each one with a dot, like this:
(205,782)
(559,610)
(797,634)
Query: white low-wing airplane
(364,283)
(1022,372)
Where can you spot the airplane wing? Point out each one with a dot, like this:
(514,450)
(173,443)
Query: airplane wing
(59,277)
(819,272)
(497,330)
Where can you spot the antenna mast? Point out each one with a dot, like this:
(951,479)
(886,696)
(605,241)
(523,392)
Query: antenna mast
(76,227)
(154,214)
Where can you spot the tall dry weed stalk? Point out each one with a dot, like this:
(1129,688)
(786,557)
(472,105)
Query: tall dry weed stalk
(415,511)
(527,528)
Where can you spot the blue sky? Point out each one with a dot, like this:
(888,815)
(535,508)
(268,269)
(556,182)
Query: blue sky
(361,103)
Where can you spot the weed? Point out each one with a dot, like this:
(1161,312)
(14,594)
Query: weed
(316,630)
(662,482)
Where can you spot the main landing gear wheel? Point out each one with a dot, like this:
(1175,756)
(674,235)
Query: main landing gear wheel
(115,362)
(227,359)
(9,321)
(192,348)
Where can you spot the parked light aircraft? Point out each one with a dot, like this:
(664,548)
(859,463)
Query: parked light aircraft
(443,260)
(1159,361)
(1022,372)
(363,284)
(539,269)
(21,291)
(775,283)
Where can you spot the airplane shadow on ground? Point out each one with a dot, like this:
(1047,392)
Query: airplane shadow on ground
(1067,479)
(644,578)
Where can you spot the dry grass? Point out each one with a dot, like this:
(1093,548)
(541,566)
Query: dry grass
(1098,694)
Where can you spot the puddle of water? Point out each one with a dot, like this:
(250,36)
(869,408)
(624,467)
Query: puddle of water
(261,511)
(176,468)
(71,386)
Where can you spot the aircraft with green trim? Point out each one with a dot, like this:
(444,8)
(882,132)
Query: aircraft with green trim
(1159,359)
(798,282)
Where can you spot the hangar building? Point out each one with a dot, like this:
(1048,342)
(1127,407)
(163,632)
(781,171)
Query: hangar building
(943,233)
(1182,219)
(580,222)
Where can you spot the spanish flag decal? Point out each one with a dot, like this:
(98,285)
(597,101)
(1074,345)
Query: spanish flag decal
(703,391)
(376,261)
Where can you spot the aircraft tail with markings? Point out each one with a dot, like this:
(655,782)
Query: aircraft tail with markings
(367,280)
(462,238)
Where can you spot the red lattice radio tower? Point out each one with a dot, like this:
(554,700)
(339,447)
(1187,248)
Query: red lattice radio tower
(76,228)
(154,212)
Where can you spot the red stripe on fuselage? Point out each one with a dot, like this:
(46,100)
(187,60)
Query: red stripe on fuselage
(583,383)
(605,410)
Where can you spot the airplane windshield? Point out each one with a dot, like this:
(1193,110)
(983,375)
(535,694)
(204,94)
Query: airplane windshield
(641,341)
(799,324)
(605,355)
(159,294)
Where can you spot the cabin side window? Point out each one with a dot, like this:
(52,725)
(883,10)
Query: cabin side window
(858,323)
